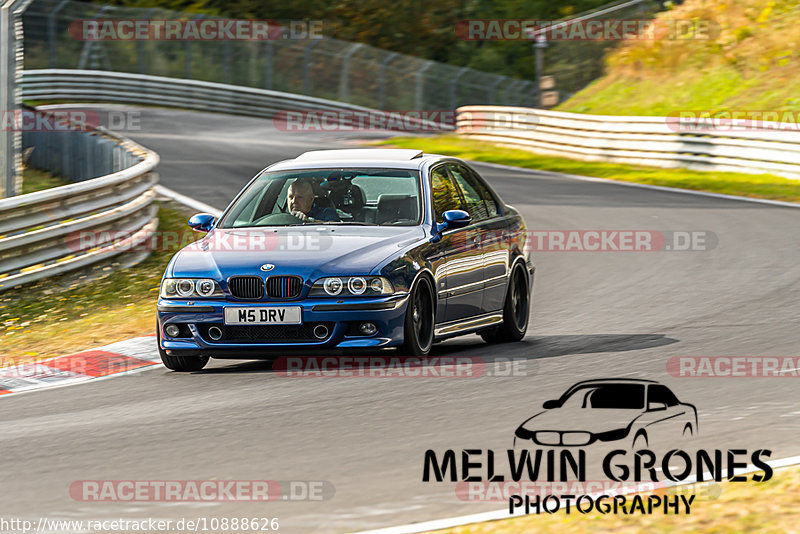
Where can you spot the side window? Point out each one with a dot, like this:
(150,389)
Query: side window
(445,194)
(660,393)
(475,205)
(488,199)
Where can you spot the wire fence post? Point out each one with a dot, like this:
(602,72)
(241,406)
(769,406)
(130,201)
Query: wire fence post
(307,66)
(344,77)
(10,97)
(270,58)
(382,79)
(226,61)
(454,87)
(141,51)
(51,33)
(419,89)
(493,89)
(538,48)
(187,56)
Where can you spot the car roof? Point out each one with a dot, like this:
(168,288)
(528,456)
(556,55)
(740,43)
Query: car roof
(614,381)
(393,158)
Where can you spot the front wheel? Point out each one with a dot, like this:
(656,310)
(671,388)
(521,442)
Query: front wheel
(418,328)
(179,363)
(515,312)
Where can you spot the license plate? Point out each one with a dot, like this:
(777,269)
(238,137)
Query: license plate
(263,315)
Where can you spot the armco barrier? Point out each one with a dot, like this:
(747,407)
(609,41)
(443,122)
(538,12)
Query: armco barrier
(656,141)
(120,87)
(40,232)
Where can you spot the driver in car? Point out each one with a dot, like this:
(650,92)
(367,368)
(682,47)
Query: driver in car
(302,205)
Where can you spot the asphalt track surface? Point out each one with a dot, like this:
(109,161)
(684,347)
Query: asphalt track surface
(595,315)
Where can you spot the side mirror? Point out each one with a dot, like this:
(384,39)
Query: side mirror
(453,219)
(656,406)
(549,405)
(202,222)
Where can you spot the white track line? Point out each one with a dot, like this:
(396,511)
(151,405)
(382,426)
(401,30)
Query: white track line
(641,186)
(187,201)
(450,522)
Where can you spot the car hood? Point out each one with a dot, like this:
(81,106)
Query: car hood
(310,252)
(581,419)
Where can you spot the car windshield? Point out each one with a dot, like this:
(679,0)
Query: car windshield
(614,396)
(368,196)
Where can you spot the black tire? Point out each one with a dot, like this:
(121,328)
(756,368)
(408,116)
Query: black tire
(183,364)
(418,328)
(515,311)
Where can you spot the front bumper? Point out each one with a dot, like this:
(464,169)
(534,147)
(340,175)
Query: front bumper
(195,317)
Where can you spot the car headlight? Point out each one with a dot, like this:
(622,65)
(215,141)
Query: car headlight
(190,288)
(366,286)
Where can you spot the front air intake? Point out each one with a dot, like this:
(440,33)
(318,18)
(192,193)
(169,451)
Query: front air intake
(284,287)
(246,287)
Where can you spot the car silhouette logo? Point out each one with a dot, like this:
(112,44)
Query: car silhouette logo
(267,267)
(642,412)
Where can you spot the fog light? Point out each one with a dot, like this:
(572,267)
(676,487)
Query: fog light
(320,331)
(215,333)
(367,328)
(172,330)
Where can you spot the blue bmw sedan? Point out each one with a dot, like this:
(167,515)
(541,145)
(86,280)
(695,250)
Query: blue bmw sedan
(345,250)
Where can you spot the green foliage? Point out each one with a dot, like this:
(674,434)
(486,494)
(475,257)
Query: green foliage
(416,27)
(749,62)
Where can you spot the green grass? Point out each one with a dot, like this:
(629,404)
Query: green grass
(749,185)
(748,63)
(63,314)
(37,180)
(717,89)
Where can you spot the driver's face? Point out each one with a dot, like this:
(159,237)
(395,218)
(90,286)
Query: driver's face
(300,198)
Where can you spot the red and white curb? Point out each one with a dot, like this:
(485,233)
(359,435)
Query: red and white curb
(120,358)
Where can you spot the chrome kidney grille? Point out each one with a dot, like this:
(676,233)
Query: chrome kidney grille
(284,287)
(246,287)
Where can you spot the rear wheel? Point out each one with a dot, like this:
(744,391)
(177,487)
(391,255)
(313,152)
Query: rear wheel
(515,312)
(179,363)
(418,329)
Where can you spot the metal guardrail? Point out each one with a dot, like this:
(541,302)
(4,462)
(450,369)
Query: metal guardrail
(667,142)
(40,233)
(57,230)
(120,87)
